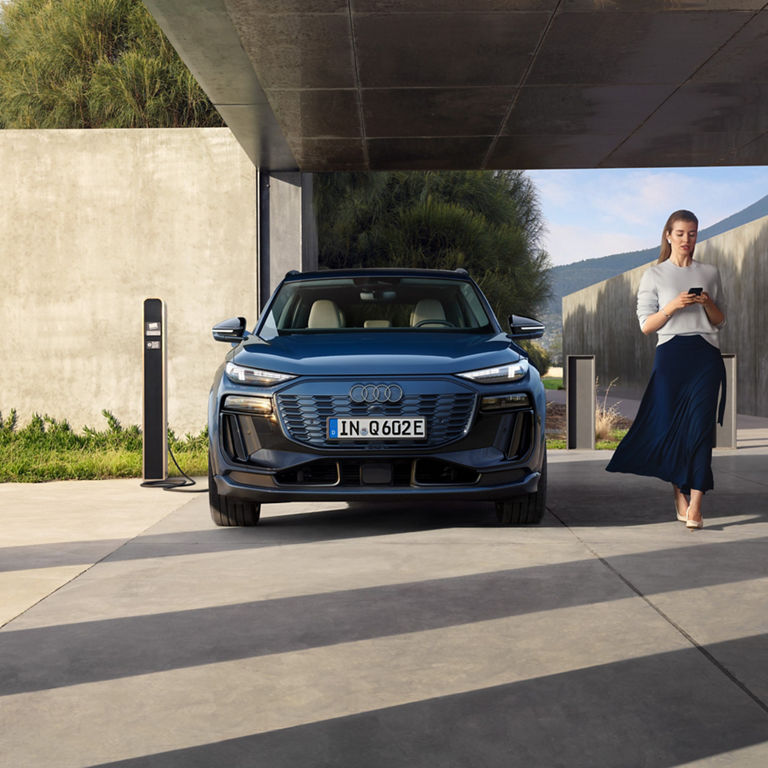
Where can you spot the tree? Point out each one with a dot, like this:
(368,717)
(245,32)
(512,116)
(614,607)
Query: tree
(487,222)
(93,64)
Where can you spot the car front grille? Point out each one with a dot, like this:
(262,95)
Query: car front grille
(304,417)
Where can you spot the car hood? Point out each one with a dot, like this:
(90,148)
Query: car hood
(407,353)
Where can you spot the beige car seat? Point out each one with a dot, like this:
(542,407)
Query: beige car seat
(325,314)
(427,309)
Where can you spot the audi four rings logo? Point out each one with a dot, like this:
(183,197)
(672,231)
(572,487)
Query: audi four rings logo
(376,393)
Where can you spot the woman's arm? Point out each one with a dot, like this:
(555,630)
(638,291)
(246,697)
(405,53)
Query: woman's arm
(716,317)
(659,319)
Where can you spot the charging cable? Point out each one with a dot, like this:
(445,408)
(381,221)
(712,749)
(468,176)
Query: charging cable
(178,484)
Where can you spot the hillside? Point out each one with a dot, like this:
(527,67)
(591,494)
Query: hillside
(573,277)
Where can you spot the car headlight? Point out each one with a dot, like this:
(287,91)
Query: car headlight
(241,374)
(259,405)
(510,372)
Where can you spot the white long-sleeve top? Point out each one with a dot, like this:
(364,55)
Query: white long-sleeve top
(663,282)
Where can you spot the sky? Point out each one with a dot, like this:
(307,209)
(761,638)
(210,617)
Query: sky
(593,213)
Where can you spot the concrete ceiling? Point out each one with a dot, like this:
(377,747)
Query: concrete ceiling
(321,85)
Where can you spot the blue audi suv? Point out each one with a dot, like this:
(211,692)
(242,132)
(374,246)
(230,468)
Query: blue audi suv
(377,384)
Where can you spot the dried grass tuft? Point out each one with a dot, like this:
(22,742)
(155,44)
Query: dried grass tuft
(607,417)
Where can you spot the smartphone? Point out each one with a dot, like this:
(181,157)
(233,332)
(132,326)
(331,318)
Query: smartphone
(695,291)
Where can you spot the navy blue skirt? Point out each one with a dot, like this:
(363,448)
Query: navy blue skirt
(671,437)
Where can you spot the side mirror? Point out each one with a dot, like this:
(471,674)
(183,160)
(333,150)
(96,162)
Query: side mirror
(525,327)
(232,330)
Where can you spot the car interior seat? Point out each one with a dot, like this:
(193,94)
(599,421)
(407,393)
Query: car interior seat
(325,313)
(426,310)
(377,324)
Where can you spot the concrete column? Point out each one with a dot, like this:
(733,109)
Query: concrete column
(287,230)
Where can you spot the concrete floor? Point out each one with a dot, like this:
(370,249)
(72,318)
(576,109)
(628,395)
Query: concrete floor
(138,634)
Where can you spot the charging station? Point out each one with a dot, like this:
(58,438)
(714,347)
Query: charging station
(154,410)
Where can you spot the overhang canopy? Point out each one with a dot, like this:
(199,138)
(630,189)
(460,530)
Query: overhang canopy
(321,85)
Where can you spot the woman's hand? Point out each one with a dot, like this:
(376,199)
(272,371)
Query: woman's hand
(681,301)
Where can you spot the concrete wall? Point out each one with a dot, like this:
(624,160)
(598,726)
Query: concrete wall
(601,319)
(91,224)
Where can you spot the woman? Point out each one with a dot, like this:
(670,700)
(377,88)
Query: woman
(671,438)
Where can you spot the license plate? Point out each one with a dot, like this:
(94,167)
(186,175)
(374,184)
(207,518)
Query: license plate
(377,429)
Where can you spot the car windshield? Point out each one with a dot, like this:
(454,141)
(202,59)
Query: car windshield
(376,303)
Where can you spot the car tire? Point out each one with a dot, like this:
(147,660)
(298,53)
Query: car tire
(528,509)
(226,511)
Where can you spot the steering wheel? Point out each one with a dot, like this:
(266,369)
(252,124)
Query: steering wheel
(428,321)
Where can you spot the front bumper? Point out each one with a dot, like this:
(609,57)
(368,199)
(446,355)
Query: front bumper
(247,485)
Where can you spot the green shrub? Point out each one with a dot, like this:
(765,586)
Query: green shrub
(537,355)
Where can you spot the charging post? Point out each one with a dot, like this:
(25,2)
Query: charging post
(155,416)
(580,402)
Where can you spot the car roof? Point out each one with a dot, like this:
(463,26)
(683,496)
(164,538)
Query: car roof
(454,274)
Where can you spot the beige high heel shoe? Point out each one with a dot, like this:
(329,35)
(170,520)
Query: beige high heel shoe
(693,524)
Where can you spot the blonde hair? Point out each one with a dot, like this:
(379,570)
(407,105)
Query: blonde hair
(666,248)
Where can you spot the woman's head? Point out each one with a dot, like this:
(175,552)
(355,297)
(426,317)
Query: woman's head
(680,223)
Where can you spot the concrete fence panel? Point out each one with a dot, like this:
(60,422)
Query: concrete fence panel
(601,320)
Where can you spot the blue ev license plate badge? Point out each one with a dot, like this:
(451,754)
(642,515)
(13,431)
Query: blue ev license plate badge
(377,429)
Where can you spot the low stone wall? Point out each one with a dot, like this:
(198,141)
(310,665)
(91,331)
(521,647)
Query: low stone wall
(600,320)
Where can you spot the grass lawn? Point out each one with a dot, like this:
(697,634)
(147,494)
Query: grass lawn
(555,443)
(552,383)
(46,449)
